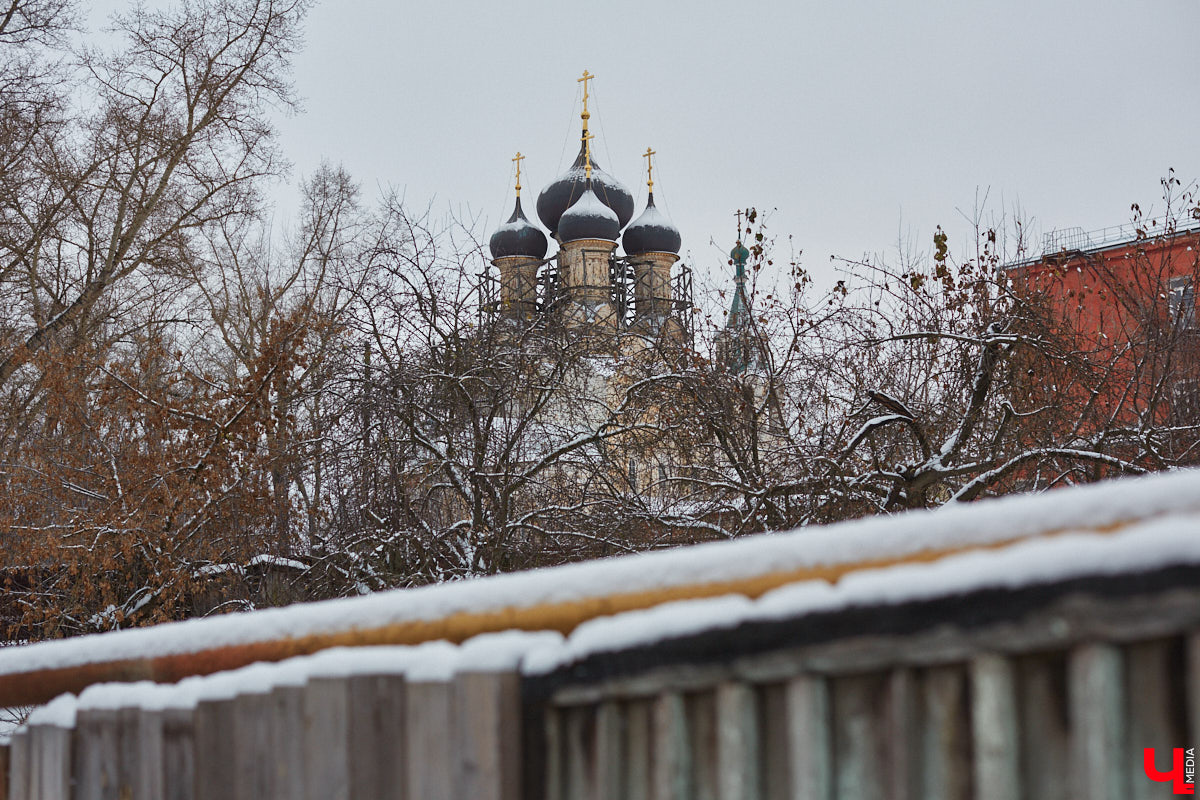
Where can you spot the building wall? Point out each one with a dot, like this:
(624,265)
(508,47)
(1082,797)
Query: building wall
(1129,311)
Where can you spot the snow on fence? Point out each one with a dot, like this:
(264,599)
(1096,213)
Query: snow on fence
(1029,647)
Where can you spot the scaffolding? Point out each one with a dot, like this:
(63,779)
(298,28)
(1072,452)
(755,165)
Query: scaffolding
(549,284)
(489,295)
(622,293)
(621,283)
(683,300)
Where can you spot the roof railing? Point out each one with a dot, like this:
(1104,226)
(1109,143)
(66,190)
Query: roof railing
(1076,239)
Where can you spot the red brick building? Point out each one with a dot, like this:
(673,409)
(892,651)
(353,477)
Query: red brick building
(1126,298)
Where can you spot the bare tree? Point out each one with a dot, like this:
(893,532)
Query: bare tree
(120,458)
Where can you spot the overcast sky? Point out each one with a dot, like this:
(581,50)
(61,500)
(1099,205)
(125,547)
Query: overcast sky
(857,120)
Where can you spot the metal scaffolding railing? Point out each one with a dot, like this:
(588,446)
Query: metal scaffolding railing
(1076,239)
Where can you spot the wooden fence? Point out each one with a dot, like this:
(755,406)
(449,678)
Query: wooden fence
(999,687)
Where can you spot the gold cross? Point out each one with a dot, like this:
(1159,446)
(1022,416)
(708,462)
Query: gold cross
(649,168)
(587,152)
(739,216)
(518,160)
(584,80)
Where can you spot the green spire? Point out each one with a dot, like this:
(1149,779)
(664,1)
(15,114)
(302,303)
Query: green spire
(740,307)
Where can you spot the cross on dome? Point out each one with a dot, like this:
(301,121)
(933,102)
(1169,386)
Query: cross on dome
(584,80)
(517,160)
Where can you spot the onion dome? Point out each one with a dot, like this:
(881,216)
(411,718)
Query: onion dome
(556,198)
(518,237)
(652,232)
(589,218)
(739,253)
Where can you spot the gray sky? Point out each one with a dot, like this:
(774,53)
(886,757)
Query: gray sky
(857,120)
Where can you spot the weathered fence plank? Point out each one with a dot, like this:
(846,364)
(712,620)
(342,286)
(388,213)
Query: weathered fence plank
(554,753)
(609,758)
(1156,706)
(214,748)
(18,766)
(945,760)
(701,725)
(859,758)
(432,766)
(97,755)
(253,746)
(5,750)
(578,755)
(638,750)
(378,768)
(489,712)
(179,754)
(994,728)
(285,712)
(773,764)
(810,746)
(902,732)
(139,749)
(737,743)
(326,736)
(1043,709)
(50,762)
(672,750)
(1098,752)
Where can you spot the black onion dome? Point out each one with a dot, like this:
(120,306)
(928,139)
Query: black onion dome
(518,237)
(556,198)
(589,218)
(652,232)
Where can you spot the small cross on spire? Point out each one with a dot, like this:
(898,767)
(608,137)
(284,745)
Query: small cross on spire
(584,80)
(517,160)
(649,168)
(739,217)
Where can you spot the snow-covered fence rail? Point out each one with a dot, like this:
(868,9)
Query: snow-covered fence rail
(1048,689)
(1022,648)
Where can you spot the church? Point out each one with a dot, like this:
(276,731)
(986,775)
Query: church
(589,285)
(616,283)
